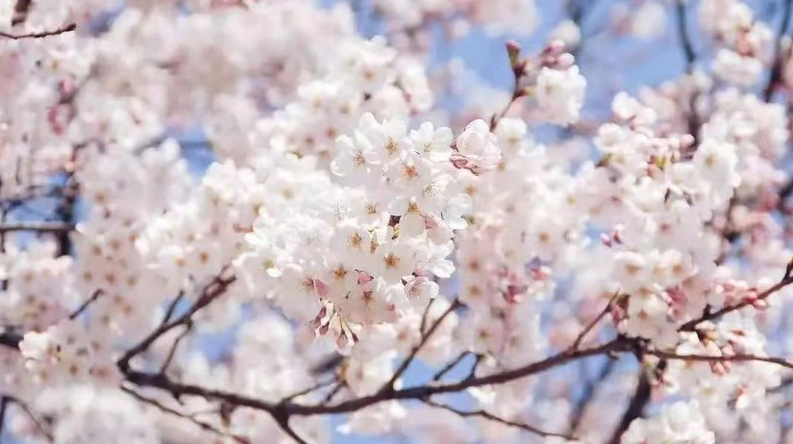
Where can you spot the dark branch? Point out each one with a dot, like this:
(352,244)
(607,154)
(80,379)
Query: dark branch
(38,35)
(3,407)
(709,316)
(212,291)
(723,358)
(86,304)
(606,310)
(41,227)
(779,61)
(589,394)
(497,419)
(635,407)
(10,339)
(203,425)
(389,386)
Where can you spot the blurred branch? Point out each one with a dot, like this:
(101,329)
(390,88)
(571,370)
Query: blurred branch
(42,227)
(589,394)
(724,358)
(709,316)
(635,409)
(21,9)
(86,304)
(201,424)
(497,419)
(3,407)
(776,70)
(38,35)
(212,291)
(690,57)
(606,310)
(389,386)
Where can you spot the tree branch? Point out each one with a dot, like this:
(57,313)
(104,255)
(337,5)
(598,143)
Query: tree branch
(635,409)
(38,35)
(709,316)
(3,407)
(86,304)
(42,227)
(776,70)
(203,425)
(389,386)
(213,290)
(10,339)
(723,358)
(595,321)
(589,394)
(497,419)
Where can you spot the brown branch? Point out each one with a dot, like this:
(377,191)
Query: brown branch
(709,316)
(389,386)
(175,346)
(3,407)
(336,389)
(618,344)
(423,324)
(635,409)
(282,418)
(203,425)
(690,57)
(33,418)
(497,419)
(595,321)
(724,358)
(327,364)
(308,390)
(448,367)
(21,8)
(683,36)
(588,394)
(38,35)
(216,288)
(86,304)
(177,389)
(10,339)
(42,227)
(776,70)
(518,67)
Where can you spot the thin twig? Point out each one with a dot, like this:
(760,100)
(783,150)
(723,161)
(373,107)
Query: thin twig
(723,358)
(595,321)
(589,393)
(38,35)
(10,339)
(203,425)
(42,227)
(332,394)
(308,390)
(3,406)
(635,409)
(448,367)
(709,316)
(388,386)
(422,326)
(776,70)
(690,57)
(175,346)
(98,292)
(33,418)
(172,306)
(215,288)
(491,417)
